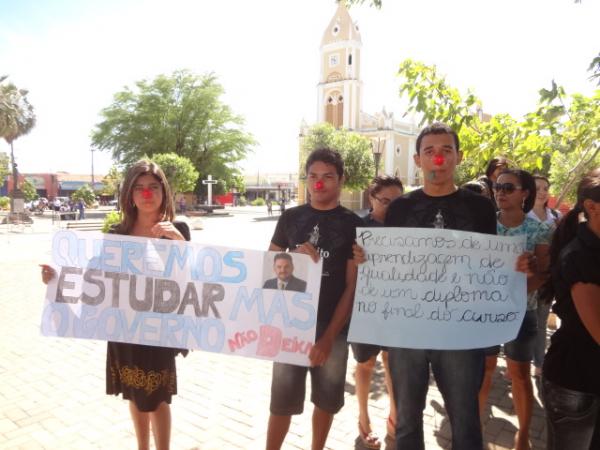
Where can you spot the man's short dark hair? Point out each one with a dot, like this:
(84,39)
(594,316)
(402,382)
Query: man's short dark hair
(383,181)
(286,256)
(437,128)
(327,156)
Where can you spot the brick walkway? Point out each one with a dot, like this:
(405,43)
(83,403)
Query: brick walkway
(52,390)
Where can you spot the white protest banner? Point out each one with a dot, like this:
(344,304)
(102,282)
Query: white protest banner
(183,295)
(437,289)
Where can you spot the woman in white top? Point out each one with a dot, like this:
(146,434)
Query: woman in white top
(550,217)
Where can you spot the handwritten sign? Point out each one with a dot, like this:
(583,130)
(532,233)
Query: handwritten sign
(180,294)
(437,289)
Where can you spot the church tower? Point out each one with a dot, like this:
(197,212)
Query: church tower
(339,88)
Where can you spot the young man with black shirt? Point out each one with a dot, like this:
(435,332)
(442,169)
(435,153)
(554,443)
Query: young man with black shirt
(458,373)
(327,230)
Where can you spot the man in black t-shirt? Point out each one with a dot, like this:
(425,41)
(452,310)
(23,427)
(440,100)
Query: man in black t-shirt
(458,373)
(321,229)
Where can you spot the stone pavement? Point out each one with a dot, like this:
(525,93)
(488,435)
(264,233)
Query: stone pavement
(52,390)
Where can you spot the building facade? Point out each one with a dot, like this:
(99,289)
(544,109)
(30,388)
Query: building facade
(339,102)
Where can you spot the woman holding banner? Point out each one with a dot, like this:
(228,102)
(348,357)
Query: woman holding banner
(515,193)
(382,191)
(571,371)
(144,375)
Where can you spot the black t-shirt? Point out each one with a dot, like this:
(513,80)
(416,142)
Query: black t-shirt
(332,232)
(368,221)
(462,210)
(573,359)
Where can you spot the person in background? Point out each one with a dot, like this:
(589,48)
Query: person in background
(269,207)
(515,196)
(492,171)
(479,187)
(571,370)
(382,191)
(144,375)
(542,213)
(81,209)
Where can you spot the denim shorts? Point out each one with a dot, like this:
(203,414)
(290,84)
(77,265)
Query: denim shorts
(521,348)
(288,385)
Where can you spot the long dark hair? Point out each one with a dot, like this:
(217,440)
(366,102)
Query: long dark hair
(527,184)
(128,209)
(566,231)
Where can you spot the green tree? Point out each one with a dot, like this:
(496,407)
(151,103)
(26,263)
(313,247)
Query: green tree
(4,167)
(182,114)
(29,191)
(595,69)
(17,117)
(573,124)
(112,181)
(374,3)
(356,150)
(86,194)
(180,171)
(562,130)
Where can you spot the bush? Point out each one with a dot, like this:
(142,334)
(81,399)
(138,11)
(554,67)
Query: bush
(112,218)
(4,202)
(258,202)
(242,201)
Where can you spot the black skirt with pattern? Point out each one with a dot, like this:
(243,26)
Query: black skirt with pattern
(144,374)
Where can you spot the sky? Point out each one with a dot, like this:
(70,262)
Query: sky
(74,55)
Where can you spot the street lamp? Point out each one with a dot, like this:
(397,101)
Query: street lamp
(378,145)
(92,151)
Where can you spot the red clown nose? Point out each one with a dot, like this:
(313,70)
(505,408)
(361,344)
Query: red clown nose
(319,185)
(438,160)
(146,194)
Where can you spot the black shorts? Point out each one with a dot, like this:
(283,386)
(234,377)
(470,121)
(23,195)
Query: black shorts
(364,352)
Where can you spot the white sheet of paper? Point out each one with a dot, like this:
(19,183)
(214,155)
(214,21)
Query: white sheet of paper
(437,289)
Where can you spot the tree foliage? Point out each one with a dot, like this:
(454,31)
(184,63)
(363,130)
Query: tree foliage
(17,117)
(539,142)
(181,114)
(180,171)
(84,193)
(4,167)
(354,148)
(373,3)
(29,191)
(112,181)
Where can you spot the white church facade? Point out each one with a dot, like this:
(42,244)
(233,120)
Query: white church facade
(339,102)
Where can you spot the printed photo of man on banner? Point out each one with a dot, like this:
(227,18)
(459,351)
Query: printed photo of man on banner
(182,295)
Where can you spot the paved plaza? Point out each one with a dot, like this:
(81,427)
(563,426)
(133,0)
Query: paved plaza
(52,390)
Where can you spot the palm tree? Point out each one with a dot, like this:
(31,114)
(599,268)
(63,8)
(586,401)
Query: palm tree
(16,119)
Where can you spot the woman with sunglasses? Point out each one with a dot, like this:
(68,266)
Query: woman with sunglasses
(515,193)
(145,375)
(571,372)
(382,191)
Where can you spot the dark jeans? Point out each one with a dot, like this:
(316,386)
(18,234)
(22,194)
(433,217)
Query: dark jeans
(573,418)
(458,374)
(543,311)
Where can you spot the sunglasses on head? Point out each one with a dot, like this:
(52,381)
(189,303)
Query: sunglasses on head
(509,188)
